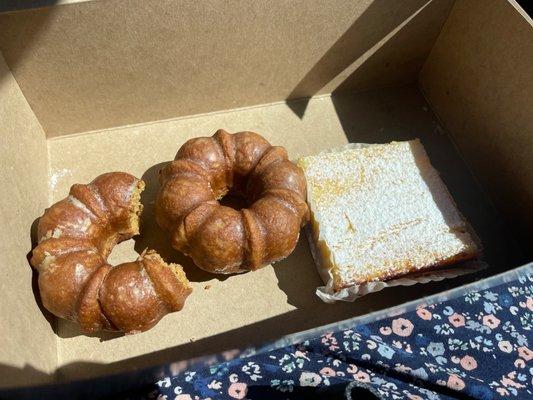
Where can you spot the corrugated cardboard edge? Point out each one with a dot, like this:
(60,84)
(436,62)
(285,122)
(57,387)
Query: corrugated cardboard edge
(329,295)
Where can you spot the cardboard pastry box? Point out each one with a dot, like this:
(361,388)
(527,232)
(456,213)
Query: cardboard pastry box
(88,87)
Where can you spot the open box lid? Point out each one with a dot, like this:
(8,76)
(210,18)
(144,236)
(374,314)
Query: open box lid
(63,77)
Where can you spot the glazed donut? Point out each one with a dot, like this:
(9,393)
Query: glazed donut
(221,239)
(76,236)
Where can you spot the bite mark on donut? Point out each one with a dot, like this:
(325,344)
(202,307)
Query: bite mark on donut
(136,207)
(70,259)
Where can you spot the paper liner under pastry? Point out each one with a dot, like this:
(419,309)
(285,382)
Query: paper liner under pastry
(328,294)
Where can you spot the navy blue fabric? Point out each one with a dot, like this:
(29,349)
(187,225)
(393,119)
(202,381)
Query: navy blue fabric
(476,346)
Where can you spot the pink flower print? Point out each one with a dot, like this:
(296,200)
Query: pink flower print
(505,346)
(362,377)
(327,371)
(402,327)
(525,353)
(529,303)
(457,320)
(455,383)
(385,330)
(468,363)
(183,397)
(509,382)
(238,390)
(330,341)
(502,392)
(424,314)
(326,338)
(491,321)
(414,397)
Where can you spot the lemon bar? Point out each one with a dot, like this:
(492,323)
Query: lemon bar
(381,211)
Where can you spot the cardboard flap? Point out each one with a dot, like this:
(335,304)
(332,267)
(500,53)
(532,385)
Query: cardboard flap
(102,64)
(28,351)
(478,79)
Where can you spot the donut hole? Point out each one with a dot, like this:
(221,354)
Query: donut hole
(234,200)
(122,252)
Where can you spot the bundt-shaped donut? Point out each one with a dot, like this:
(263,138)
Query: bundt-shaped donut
(221,239)
(76,236)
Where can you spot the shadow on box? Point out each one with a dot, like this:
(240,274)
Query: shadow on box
(39,25)
(361,37)
(372,116)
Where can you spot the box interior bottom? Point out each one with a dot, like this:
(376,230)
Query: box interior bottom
(227,312)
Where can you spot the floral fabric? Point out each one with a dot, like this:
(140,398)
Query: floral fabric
(477,346)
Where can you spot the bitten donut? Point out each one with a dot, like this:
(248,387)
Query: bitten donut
(76,236)
(221,239)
